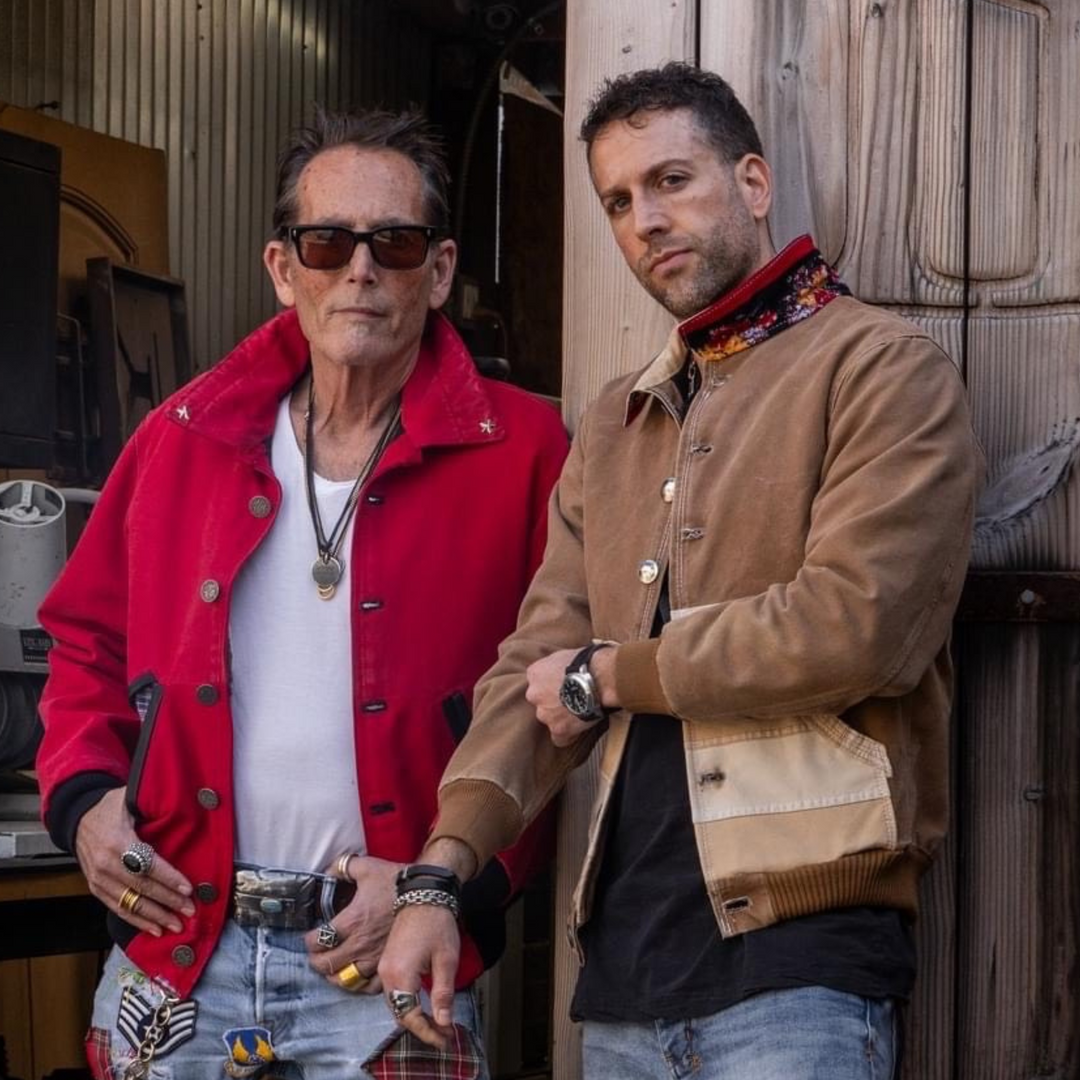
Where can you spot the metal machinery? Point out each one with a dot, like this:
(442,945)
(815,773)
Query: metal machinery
(33,544)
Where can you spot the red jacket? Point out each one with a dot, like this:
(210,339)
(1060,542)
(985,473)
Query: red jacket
(448,532)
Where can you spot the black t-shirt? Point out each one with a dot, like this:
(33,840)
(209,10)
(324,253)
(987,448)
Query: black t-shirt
(653,950)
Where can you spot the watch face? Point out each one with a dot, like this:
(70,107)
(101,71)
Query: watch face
(577,696)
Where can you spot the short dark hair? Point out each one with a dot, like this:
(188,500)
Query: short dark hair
(408,133)
(676,85)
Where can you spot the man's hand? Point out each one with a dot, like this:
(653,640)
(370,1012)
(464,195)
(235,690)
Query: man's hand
(362,925)
(545,678)
(104,833)
(425,940)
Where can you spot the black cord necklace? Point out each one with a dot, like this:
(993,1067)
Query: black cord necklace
(328,567)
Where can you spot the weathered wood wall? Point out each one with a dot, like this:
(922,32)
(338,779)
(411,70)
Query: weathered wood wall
(932,147)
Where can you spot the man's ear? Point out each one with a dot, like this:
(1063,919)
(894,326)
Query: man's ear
(279,267)
(444,262)
(753,178)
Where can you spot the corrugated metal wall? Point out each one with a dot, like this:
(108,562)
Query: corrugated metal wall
(216,84)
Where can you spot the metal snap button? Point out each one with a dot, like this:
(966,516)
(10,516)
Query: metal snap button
(208,798)
(210,590)
(648,571)
(207,694)
(667,490)
(183,956)
(206,892)
(259,506)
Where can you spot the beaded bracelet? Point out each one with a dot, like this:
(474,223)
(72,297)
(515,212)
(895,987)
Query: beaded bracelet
(434,897)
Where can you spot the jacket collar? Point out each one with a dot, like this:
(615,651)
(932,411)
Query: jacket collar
(444,401)
(792,286)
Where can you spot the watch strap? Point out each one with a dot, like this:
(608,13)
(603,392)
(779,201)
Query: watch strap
(584,657)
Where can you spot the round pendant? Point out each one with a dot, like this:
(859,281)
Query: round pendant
(326,570)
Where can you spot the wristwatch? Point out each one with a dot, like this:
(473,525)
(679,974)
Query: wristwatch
(578,693)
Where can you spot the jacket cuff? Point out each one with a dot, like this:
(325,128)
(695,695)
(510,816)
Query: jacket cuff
(71,800)
(479,814)
(637,680)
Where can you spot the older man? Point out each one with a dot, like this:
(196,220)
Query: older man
(755,551)
(267,638)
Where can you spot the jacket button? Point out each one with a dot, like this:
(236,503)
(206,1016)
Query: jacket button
(206,892)
(208,798)
(207,694)
(183,956)
(259,506)
(667,490)
(648,571)
(210,590)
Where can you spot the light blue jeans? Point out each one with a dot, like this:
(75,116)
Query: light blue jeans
(258,996)
(808,1033)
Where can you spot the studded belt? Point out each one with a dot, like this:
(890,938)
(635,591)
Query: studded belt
(287,900)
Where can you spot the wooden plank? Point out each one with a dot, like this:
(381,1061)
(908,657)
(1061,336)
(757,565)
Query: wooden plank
(15,1025)
(610,326)
(61,1001)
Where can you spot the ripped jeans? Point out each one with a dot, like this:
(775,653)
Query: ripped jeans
(259,1010)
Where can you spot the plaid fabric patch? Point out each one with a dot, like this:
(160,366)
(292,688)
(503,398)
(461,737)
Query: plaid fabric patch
(404,1057)
(98,1045)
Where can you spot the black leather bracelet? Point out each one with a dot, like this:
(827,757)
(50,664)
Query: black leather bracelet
(424,876)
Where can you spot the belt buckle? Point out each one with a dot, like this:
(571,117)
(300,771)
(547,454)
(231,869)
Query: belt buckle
(276,898)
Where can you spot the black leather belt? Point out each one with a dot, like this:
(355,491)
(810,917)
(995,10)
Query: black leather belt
(286,900)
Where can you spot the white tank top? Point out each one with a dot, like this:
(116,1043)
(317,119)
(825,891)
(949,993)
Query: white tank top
(294,755)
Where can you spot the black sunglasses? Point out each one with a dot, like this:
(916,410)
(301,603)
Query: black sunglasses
(393,247)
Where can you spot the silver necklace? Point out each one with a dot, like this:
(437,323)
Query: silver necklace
(327,569)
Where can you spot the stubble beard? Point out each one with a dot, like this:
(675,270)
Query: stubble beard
(727,257)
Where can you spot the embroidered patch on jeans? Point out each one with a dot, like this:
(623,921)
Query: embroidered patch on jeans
(98,1044)
(136,1014)
(249,1045)
(403,1056)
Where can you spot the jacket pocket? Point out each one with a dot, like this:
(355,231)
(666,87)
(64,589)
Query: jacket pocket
(458,715)
(145,695)
(769,797)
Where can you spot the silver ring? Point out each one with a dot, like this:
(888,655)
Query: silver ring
(327,936)
(138,858)
(402,1002)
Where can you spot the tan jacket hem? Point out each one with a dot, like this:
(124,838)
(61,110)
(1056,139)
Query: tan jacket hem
(871,878)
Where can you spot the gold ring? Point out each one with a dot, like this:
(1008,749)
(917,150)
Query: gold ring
(352,978)
(130,899)
(341,867)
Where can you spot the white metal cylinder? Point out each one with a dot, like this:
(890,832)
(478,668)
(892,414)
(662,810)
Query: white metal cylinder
(33,544)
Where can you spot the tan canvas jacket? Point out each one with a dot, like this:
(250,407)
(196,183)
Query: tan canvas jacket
(815,538)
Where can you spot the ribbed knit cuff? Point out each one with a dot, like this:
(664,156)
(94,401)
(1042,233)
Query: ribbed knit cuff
(480,814)
(637,681)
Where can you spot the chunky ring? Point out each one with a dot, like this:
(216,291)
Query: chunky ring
(402,1002)
(341,867)
(352,978)
(130,900)
(138,858)
(327,936)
